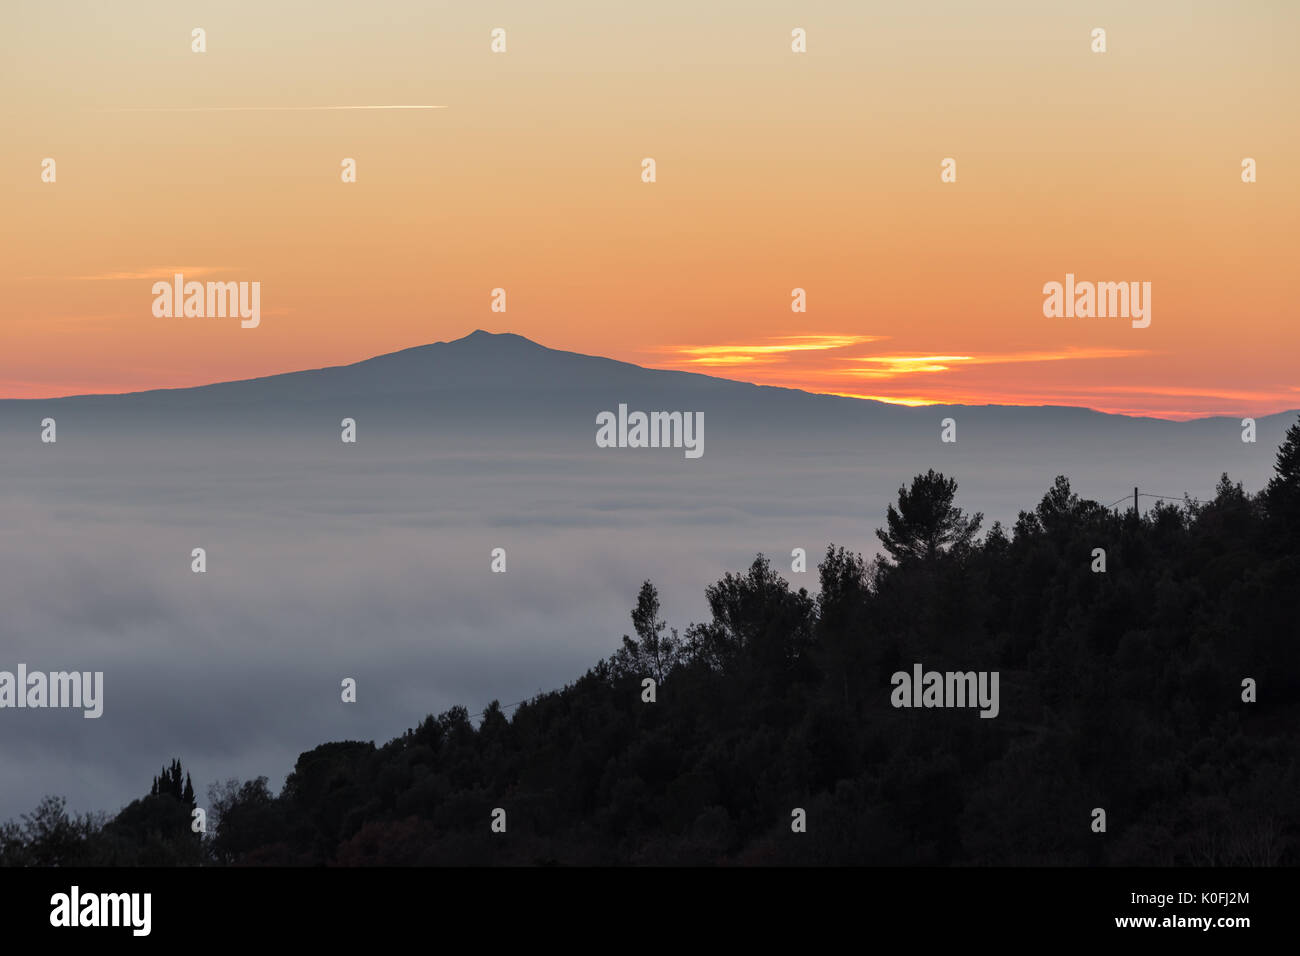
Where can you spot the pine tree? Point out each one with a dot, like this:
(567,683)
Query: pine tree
(1282,495)
(656,652)
(926,522)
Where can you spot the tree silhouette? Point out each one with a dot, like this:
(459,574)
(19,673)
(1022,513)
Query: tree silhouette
(653,653)
(1282,495)
(926,521)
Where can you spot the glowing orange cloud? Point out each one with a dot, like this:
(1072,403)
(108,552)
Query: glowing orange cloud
(720,355)
(818,363)
(893,365)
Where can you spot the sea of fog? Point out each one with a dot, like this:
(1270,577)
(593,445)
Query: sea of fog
(372,561)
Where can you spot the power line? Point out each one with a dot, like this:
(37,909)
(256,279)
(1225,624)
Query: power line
(1146,494)
(515,704)
(1171,497)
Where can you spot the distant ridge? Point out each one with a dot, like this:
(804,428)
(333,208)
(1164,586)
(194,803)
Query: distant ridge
(501,363)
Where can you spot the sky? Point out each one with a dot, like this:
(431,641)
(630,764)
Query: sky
(775,170)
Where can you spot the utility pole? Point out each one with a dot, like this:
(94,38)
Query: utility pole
(1135,502)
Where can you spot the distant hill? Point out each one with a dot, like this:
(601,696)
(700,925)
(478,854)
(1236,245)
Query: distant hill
(506,381)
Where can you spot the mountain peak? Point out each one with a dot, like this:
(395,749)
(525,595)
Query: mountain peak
(484,337)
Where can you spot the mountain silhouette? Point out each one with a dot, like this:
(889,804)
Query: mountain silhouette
(484,374)
(518,394)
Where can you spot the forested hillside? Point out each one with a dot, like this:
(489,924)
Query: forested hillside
(1124,689)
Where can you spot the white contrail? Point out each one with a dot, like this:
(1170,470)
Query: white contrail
(244,109)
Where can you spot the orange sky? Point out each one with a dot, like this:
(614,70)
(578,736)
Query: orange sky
(775,170)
